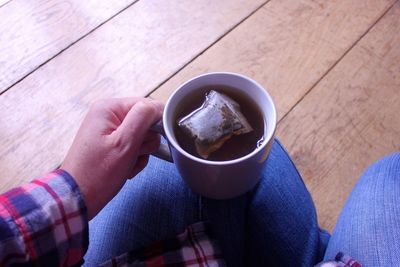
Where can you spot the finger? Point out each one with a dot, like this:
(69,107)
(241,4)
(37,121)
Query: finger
(125,103)
(137,122)
(121,106)
(118,106)
(141,163)
(150,146)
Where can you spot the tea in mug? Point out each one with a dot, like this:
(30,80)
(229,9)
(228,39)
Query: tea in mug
(218,123)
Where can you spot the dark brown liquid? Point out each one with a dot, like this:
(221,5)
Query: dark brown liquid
(238,145)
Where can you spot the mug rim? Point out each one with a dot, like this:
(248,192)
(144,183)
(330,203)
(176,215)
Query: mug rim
(172,141)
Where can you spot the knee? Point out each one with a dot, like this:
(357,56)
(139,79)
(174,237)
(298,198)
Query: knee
(385,169)
(390,163)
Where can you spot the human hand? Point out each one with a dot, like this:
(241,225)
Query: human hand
(112,145)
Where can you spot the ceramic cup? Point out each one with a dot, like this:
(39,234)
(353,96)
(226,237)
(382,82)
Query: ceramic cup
(218,179)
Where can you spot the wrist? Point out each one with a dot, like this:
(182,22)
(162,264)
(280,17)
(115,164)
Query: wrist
(83,190)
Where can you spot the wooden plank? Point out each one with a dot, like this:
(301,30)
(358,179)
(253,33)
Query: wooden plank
(350,119)
(130,55)
(3,2)
(34,31)
(286,46)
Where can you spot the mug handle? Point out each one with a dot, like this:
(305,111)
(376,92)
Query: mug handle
(163,151)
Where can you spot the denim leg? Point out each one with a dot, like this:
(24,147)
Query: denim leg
(156,205)
(282,228)
(368,228)
(275,223)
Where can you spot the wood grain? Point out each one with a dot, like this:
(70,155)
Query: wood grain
(3,2)
(34,31)
(350,119)
(129,55)
(286,46)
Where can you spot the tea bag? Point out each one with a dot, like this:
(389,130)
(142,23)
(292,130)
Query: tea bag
(216,121)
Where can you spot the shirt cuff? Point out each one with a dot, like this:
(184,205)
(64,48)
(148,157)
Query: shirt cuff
(44,222)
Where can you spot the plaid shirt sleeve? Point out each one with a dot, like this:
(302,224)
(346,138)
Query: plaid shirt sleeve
(43,223)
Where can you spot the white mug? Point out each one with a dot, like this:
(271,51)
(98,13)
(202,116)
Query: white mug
(218,179)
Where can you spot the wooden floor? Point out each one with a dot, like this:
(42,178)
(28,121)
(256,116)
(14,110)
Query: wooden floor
(332,67)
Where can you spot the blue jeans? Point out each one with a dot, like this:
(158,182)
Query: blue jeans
(369,227)
(273,225)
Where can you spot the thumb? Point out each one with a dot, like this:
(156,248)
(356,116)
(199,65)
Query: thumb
(138,121)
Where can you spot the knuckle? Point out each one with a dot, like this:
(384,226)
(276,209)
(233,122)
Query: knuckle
(157,107)
(148,109)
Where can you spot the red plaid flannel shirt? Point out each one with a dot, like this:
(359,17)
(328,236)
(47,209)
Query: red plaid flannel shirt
(44,223)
